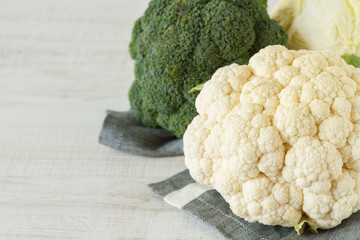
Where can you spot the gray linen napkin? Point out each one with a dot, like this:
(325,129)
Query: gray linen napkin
(123,132)
(208,206)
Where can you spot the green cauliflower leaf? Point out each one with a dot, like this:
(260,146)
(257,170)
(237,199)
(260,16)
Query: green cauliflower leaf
(197,88)
(305,221)
(353,60)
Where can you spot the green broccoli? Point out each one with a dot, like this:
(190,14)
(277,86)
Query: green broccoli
(178,44)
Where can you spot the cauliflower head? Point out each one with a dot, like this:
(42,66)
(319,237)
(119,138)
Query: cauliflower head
(279,138)
(321,24)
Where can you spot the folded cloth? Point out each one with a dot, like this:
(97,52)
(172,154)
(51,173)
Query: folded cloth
(208,206)
(123,132)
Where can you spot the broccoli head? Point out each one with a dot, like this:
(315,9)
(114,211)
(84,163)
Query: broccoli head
(178,44)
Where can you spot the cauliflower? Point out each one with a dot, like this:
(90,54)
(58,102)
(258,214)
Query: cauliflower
(279,138)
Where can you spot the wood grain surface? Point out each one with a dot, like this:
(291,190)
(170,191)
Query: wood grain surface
(62,63)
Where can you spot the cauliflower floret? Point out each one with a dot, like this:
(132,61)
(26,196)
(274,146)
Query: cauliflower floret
(312,164)
(311,64)
(355,108)
(335,129)
(294,121)
(320,110)
(280,138)
(268,60)
(225,81)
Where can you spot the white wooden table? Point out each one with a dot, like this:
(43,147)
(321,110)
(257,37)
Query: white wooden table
(62,63)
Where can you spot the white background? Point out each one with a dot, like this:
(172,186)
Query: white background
(62,63)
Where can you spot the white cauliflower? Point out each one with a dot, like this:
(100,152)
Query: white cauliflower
(280,138)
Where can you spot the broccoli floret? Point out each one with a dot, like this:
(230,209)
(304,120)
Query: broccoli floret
(178,44)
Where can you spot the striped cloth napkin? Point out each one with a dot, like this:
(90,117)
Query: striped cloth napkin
(207,205)
(122,131)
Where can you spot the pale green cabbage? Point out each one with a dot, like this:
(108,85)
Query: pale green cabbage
(321,24)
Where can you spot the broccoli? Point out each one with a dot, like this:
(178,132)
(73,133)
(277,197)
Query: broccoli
(178,44)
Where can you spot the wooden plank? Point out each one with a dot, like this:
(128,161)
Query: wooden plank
(62,63)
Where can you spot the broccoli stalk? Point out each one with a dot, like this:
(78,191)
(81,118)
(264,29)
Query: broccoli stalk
(178,44)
